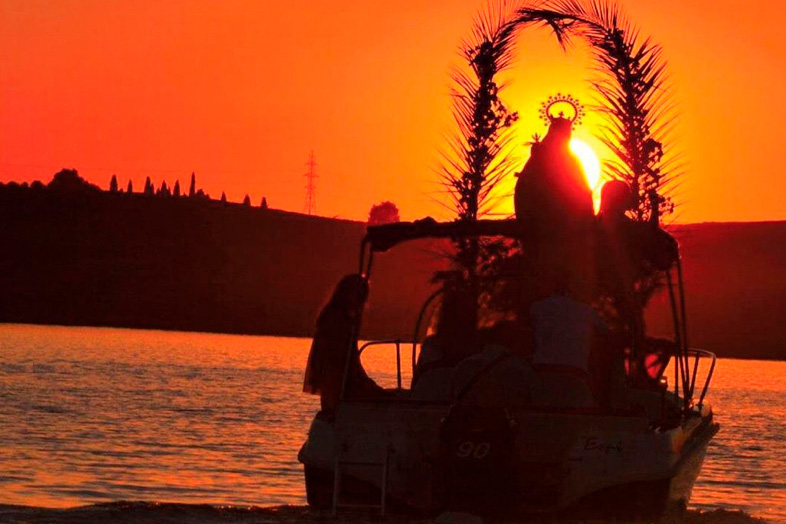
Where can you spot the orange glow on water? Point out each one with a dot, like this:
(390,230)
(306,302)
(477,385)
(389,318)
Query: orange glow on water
(100,415)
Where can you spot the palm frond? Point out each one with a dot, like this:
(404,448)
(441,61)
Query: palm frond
(632,93)
(479,155)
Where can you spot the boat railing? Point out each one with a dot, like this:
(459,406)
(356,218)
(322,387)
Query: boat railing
(398,343)
(698,355)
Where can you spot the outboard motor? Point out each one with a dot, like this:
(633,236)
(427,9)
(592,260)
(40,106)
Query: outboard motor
(478,459)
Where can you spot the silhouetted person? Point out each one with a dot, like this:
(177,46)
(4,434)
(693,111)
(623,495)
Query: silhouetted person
(456,332)
(564,329)
(334,348)
(628,250)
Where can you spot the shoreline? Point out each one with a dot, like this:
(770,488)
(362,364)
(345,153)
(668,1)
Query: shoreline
(156,512)
(754,357)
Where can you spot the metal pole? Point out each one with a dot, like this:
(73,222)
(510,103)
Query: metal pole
(398,363)
(678,363)
(681,285)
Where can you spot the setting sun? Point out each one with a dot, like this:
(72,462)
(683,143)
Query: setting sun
(589,161)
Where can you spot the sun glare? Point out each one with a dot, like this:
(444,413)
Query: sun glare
(589,161)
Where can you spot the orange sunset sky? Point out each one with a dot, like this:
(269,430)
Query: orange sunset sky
(240,91)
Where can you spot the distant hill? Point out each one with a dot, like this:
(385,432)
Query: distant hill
(76,255)
(82,256)
(735,280)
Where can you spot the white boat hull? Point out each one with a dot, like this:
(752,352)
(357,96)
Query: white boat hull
(507,461)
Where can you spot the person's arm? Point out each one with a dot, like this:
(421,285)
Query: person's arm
(661,249)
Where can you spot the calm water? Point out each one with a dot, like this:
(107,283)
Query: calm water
(91,415)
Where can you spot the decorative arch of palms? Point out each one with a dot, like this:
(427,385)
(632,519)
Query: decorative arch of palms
(631,95)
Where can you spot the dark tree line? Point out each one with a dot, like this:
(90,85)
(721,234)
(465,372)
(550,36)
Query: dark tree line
(69,180)
(175,191)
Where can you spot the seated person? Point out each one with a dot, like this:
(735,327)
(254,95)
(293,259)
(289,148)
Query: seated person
(564,329)
(616,373)
(651,362)
(564,332)
(515,336)
(334,348)
(430,357)
(431,379)
(436,379)
(454,339)
(493,377)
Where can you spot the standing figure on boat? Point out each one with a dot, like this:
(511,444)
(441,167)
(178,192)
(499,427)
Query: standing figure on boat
(628,253)
(553,204)
(617,244)
(567,332)
(334,348)
(629,250)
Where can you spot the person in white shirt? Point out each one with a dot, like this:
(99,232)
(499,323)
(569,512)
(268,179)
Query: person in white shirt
(564,329)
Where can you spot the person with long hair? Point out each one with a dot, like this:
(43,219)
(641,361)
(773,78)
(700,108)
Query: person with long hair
(334,347)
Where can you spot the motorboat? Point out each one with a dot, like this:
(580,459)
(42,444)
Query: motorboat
(494,434)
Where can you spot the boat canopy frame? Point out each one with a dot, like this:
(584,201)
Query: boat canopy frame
(382,238)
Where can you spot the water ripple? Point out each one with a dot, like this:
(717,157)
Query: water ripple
(95,415)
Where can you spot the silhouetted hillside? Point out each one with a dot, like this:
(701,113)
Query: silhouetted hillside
(72,254)
(735,280)
(136,260)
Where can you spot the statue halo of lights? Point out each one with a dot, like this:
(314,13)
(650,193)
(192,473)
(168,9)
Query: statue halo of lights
(556,105)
